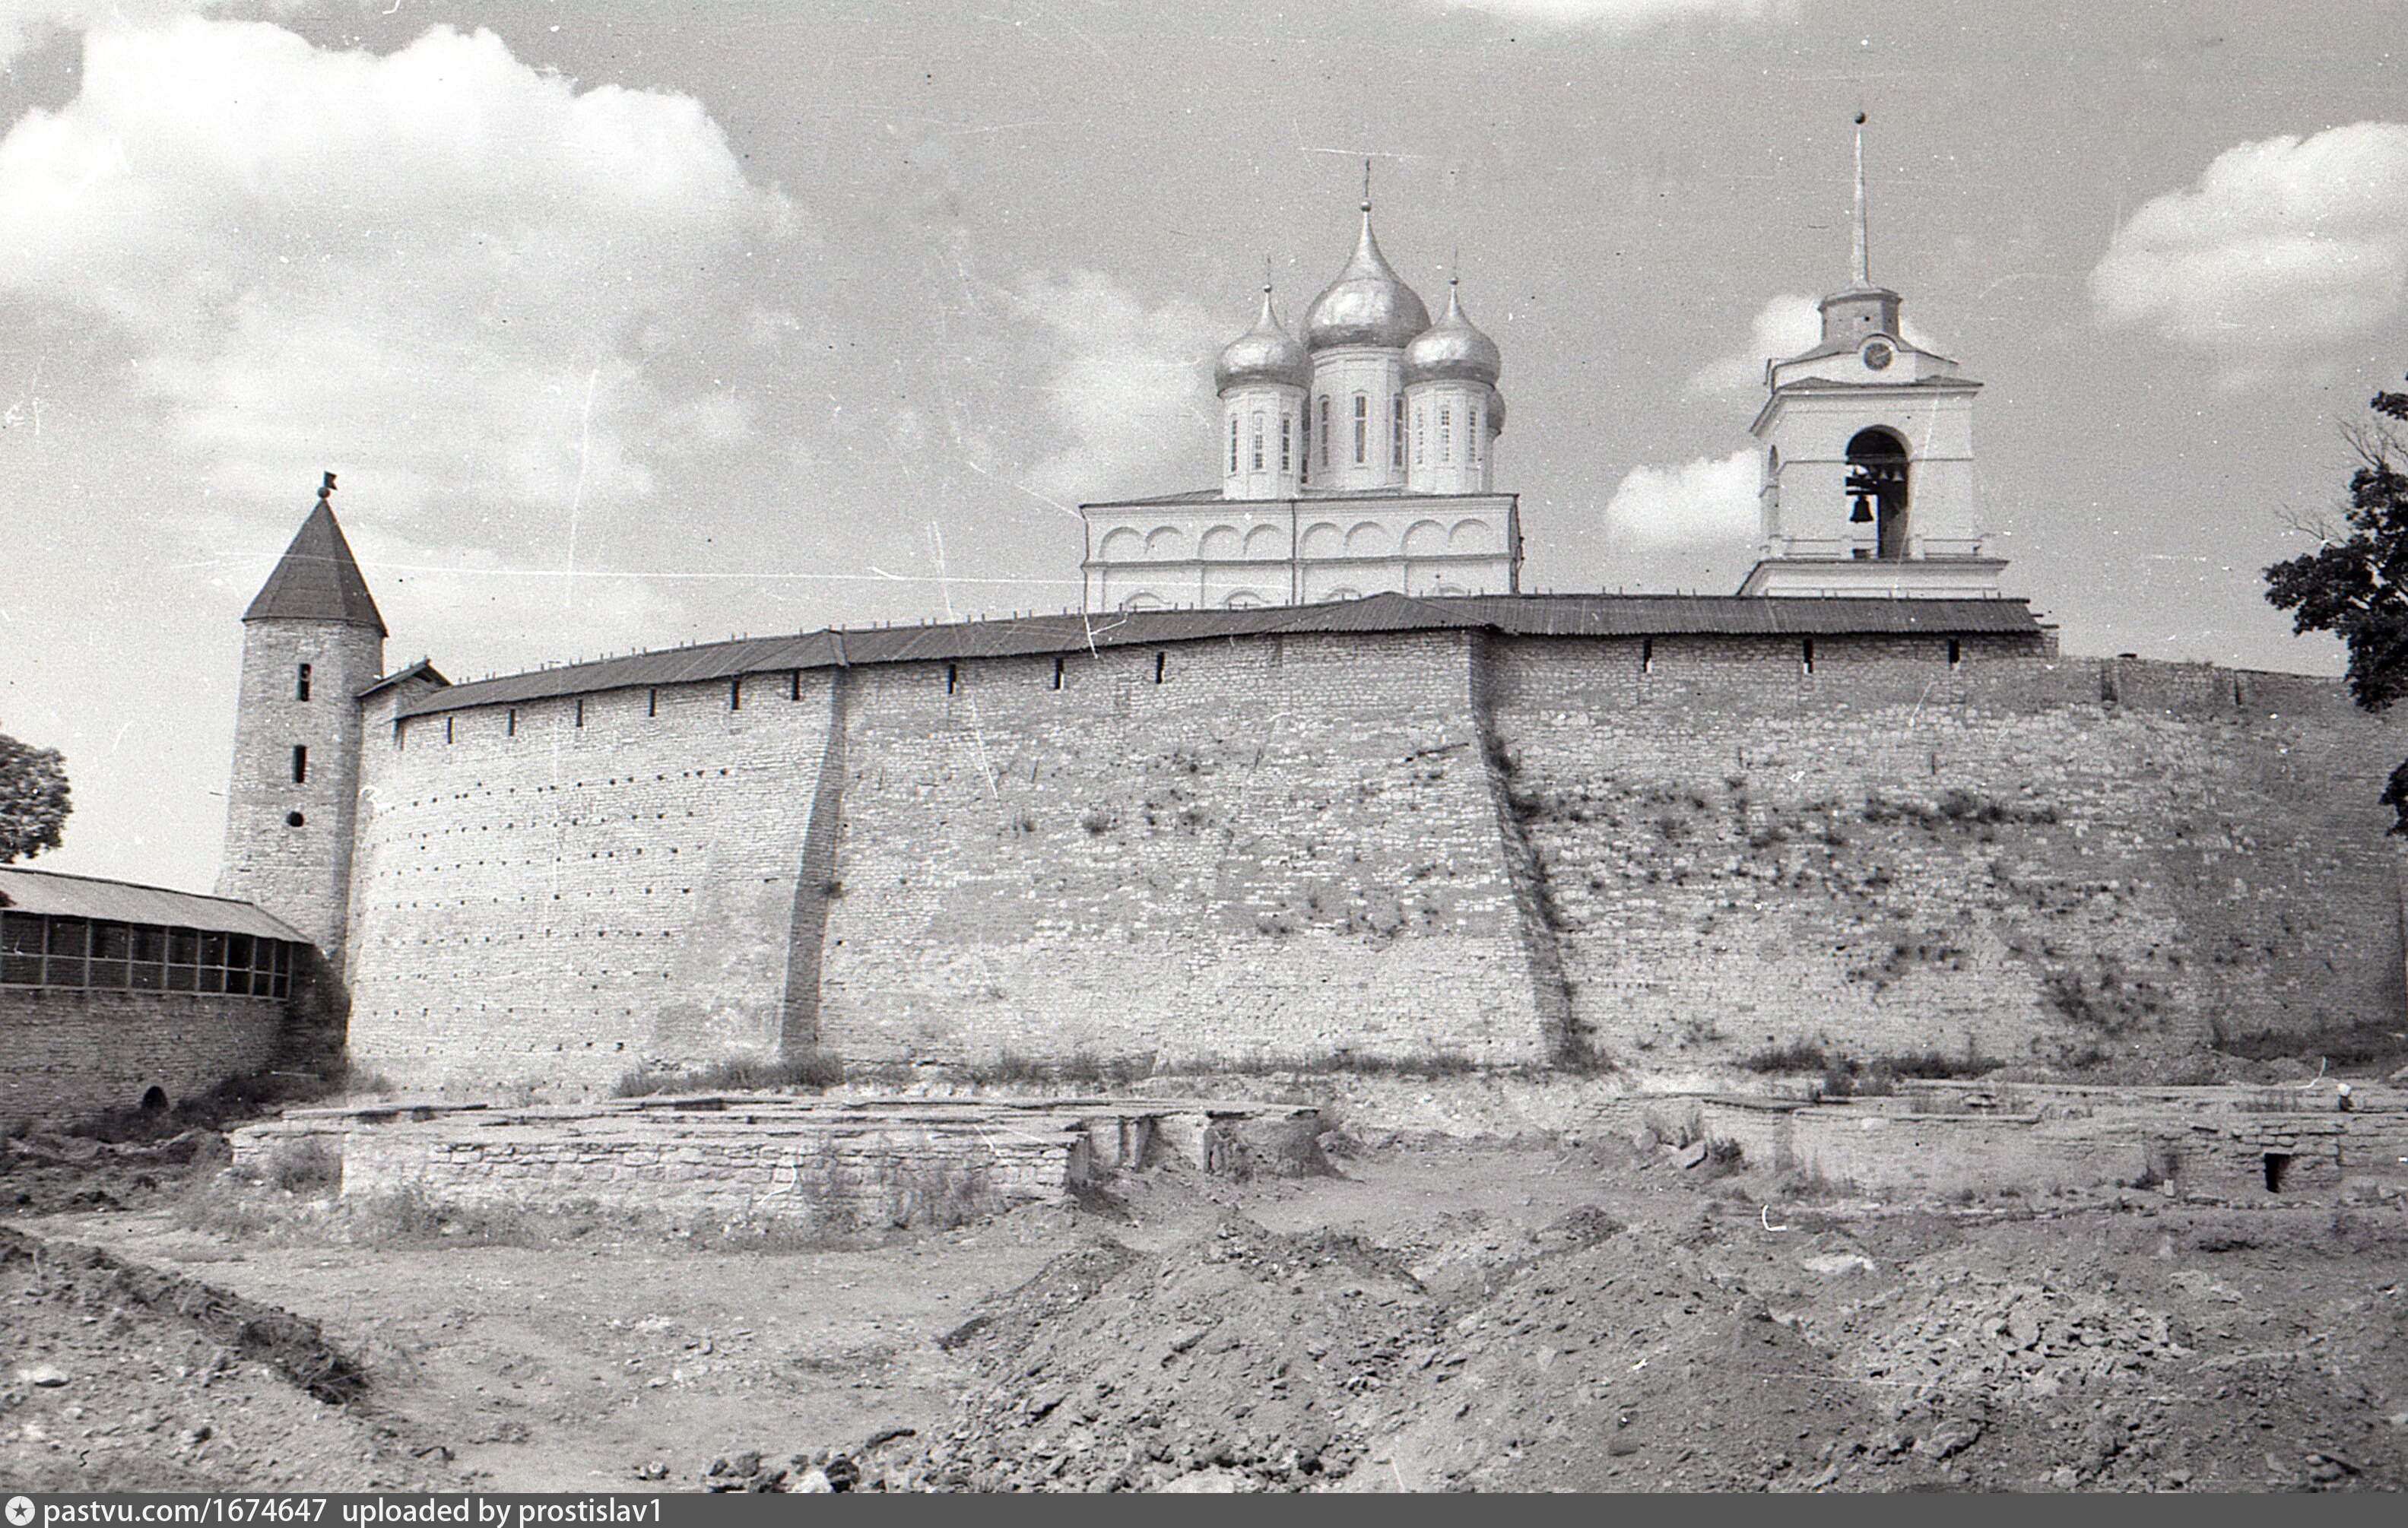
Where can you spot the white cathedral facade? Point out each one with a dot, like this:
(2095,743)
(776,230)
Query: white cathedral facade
(1360,459)
(1356,461)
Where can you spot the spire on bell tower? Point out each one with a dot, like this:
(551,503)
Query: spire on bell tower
(1863,309)
(1868,485)
(1859,267)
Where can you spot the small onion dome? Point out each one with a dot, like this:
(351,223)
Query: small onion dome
(1264,353)
(1452,350)
(1368,304)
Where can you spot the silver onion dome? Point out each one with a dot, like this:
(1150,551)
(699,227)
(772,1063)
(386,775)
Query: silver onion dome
(1368,304)
(1452,350)
(1264,353)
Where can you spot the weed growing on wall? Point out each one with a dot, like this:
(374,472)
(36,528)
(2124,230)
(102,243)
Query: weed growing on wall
(812,1072)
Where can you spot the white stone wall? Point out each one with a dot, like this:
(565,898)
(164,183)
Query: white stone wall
(1262,455)
(1808,506)
(1340,375)
(1216,555)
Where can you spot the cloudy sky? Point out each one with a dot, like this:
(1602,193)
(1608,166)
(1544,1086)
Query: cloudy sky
(630,325)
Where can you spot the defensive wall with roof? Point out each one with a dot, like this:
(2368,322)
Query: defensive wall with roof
(1528,830)
(118,996)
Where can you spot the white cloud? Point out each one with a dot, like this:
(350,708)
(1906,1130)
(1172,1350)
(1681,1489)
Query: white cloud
(1616,13)
(2282,246)
(1708,501)
(1783,327)
(456,272)
(1128,384)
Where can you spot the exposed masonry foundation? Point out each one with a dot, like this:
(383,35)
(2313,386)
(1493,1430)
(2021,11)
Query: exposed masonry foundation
(1670,851)
(863,1164)
(71,1052)
(1930,1137)
(760,1160)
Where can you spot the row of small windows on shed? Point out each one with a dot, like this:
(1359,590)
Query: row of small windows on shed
(653,706)
(40,950)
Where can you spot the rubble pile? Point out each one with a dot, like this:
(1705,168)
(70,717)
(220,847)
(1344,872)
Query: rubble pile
(1242,1363)
(46,1171)
(1966,1335)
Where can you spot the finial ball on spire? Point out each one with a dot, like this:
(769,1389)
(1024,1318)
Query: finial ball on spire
(1860,118)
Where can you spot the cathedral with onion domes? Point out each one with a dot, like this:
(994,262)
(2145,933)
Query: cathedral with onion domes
(1358,460)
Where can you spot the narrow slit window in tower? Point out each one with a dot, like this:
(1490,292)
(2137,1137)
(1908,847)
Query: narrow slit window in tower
(300,763)
(1421,435)
(652,703)
(1647,655)
(1058,672)
(1362,428)
(1324,431)
(735,694)
(952,676)
(510,727)
(1287,430)
(447,728)
(1445,433)
(1233,443)
(1161,662)
(1396,430)
(794,684)
(1258,442)
(580,710)
(1956,651)
(1471,436)
(1806,655)
(301,683)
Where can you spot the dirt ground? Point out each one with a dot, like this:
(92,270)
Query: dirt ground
(1438,1316)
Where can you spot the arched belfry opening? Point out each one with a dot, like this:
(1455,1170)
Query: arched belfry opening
(1877,490)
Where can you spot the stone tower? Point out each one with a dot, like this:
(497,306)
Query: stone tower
(311,642)
(1868,484)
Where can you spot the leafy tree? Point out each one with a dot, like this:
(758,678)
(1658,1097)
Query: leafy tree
(2357,585)
(33,799)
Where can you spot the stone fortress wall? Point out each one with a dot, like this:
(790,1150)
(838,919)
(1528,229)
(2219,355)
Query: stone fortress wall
(73,1053)
(1411,845)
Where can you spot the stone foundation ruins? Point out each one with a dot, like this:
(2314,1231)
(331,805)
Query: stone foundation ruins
(861,1163)
(830,1165)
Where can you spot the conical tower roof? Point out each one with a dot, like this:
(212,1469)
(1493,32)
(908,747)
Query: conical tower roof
(318,578)
(1368,304)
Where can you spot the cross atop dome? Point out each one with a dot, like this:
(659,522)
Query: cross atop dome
(1374,408)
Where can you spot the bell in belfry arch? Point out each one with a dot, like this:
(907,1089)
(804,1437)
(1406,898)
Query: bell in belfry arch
(1862,486)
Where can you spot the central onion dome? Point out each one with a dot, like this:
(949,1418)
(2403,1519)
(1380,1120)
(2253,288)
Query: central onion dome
(1452,350)
(1264,353)
(1368,304)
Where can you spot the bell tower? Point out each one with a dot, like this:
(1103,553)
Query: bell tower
(311,642)
(1868,485)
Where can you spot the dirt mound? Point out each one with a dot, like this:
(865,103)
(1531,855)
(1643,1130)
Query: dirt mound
(1237,1363)
(123,1378)
(291,1346)
(1630,1362)
(46,1172)
(1713,1354)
